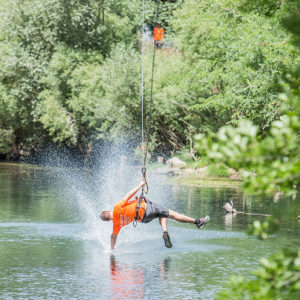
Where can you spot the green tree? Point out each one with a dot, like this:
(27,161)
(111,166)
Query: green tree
(276,162)
(85,99)
(32,35)
(277,278)
(235,61)
(225,66)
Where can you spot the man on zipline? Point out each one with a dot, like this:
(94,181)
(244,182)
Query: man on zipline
(158,34)
(126,210)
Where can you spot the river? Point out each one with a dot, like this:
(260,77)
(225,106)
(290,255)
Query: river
(53,244)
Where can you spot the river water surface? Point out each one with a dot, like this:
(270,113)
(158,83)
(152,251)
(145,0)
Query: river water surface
(53,244)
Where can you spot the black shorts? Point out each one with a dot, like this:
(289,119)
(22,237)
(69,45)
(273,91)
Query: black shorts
(153,211)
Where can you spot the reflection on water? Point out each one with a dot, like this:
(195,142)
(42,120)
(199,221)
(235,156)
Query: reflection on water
(128,282)
(164,267)
(229,219)
(53,245)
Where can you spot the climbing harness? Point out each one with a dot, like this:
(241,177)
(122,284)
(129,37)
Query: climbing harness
(138,206)
(145,147)
(141,199)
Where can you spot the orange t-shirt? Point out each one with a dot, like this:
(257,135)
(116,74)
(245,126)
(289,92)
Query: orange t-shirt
(158,33)
(124,213)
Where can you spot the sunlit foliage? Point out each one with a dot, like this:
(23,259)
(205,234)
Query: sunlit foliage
(275,164)
(274,159)
(36,38)
(277,278)
(70,71)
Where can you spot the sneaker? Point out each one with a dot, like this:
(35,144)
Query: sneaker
(202,221)
(167,240)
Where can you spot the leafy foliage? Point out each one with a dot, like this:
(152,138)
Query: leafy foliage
(94,100)
(274,159)
(265,229)
(39,26)
(217,170)
(71,71)
(236,62)
(278,278)
(36,77)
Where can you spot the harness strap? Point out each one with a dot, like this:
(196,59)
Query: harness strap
(141,198)
(138,206)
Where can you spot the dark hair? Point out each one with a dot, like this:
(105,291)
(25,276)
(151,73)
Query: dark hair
(102,215)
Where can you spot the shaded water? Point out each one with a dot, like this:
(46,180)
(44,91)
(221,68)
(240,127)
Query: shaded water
(53,245)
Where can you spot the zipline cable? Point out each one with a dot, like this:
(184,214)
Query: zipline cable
(150,105)
(148,127)
(142,197)
(142,95)
(142,86)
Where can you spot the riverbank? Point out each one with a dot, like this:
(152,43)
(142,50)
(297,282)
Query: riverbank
(199,177)
(192,180)
(204,176)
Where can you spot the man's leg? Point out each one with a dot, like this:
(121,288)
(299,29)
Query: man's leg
(180,218)
(163,224)
(200,222)
(164,227)
(154,210)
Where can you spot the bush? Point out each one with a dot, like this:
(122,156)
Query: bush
(278,278)
(217,170)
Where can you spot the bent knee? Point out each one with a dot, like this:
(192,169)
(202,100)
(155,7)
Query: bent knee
(172,214)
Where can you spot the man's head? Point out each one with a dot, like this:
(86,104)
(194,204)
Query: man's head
(106,215)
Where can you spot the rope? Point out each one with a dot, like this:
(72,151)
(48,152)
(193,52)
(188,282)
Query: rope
(142,197)
(142,87)
(150,106)
(150,98)
(148,127)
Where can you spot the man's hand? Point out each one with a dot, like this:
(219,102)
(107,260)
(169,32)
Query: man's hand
(133,192)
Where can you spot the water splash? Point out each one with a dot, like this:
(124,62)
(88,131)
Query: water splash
(88,191)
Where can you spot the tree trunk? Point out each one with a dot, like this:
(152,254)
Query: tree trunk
(88,153)
(192,151)
(16,140)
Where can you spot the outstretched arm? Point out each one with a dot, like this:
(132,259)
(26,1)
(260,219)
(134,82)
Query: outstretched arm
(133,192)
(113,240)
